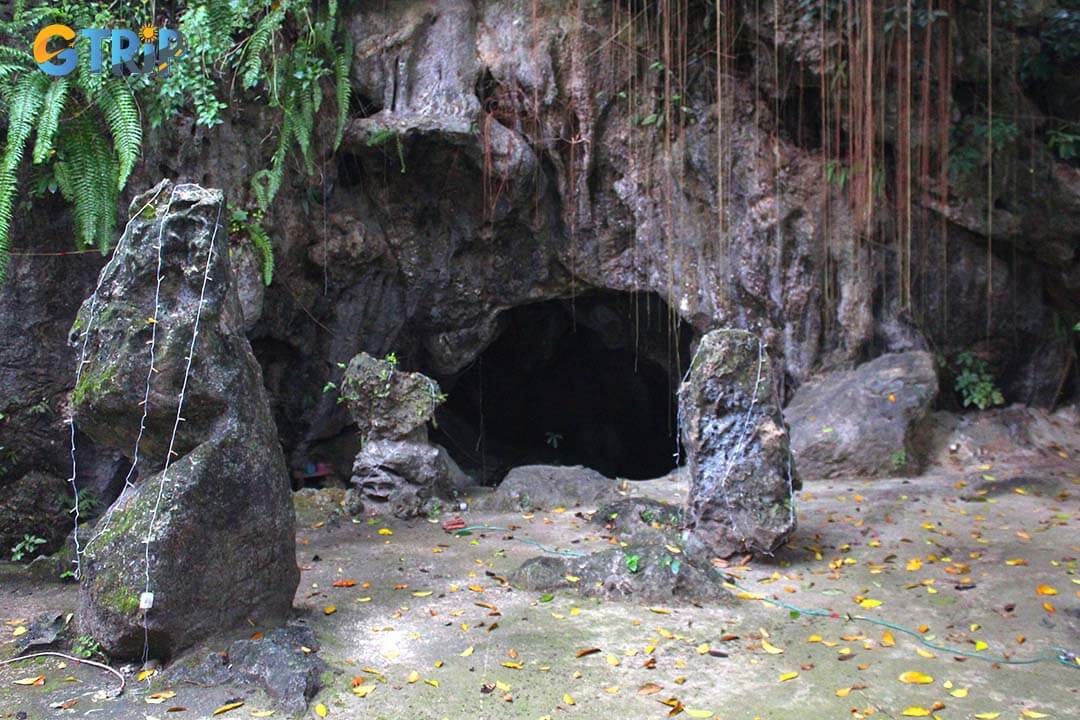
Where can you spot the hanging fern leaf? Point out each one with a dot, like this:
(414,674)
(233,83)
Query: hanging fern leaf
(24,103)
(265,248)
(53,103)
(257,44)
(122,116)
(23,107)
(343,88)
(86,173)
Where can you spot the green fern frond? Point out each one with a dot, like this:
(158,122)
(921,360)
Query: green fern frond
(53,103)
(121,113)
(9,69)
(15,55)
(23,107)
(258,42)
(265,248)
(86,173)
(343,88)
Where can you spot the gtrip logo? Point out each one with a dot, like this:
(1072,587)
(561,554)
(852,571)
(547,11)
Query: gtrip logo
(146,52)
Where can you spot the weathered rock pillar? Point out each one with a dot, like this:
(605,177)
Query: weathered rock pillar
(742,476)
(220,521)
(397,467)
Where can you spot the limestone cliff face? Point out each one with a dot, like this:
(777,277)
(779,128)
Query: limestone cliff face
(499,154)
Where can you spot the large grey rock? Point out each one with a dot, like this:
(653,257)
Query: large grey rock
(742,476)
(543,487)
(864,422)
(285,663)
(402,475)
(220,521)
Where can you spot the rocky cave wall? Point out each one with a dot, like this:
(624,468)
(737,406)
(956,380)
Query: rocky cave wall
(493,162)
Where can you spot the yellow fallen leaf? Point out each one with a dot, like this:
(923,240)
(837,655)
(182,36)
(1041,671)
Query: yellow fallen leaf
(160,697)
(887,639)
(702,648)
(329,610)
(814,639)
(1033,714)
(432,683)
(513,665)
(770,648)
(843,692)
(987,715)
(914,564)
(321,710)
(916,711)
(386,531)
(227,707)
(695,713)
(145,674)
(788,676)
(36,680)
(1016,561)
(869,603)
(568,699)
(572,578)
(912,677)
(467,651)
(613,660)
(422,593)
(413,677)
(1046,590)
(21,630)
(980,645)
(660,610)
(959,693)
(924,653)
(363,690)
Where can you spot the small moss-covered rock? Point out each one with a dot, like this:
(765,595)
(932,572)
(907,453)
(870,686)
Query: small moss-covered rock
(385,401)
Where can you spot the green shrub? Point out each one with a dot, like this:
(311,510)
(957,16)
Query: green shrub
(975,382)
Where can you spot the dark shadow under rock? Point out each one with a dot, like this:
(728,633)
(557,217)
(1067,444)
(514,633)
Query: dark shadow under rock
(284,663)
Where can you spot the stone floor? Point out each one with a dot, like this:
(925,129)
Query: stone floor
(979,555)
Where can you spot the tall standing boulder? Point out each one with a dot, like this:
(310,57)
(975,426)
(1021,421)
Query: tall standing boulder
(397,467)
(742,477)
(218,518)
(866,422)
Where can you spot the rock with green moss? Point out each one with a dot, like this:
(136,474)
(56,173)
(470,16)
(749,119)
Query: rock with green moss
(742,476)
(214,529)
(385,401)
(397,469)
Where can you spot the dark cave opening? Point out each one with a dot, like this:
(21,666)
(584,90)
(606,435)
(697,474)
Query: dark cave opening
(589,381)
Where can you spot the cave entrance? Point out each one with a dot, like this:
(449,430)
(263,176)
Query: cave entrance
(589,381)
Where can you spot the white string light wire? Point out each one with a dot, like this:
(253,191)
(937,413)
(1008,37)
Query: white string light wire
(179,410)
(73,480)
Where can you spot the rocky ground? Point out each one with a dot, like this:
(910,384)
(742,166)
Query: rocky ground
(979,554)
